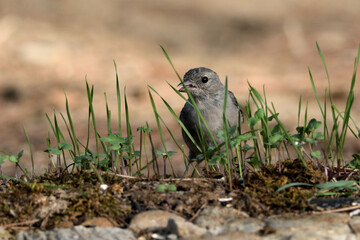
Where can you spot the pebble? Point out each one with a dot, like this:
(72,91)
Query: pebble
(213,223)
(161,221)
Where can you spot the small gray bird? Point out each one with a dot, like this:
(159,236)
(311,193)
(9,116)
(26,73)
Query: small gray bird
(208,92)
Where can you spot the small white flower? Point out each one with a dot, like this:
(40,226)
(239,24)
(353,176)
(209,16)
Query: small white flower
(297,143)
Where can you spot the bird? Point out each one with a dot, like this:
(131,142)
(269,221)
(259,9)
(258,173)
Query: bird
(208,93)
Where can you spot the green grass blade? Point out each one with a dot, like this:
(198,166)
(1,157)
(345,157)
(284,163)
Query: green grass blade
(88,131)
(329,88)
(177,118)
(172,135)
(90,95)
(129,132)
(338,184)
(73,153)
(157,118)
(56,127)
(305,120)
(349,101)
(118,96)
(349,127)
(299,111)
(294,184)
(226,137)
(51,124)
(169,60)
(256,96)
(153,154)
(178,93)
(357,128)
(59,134)
(108,115)
(31,152)
(286,133)
(75,142)
(315,92)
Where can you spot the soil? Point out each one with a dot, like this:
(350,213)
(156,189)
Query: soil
(64,200)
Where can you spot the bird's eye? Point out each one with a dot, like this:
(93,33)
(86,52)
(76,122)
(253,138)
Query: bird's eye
(204,79)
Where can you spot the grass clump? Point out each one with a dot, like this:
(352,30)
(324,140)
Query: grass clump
(265,142)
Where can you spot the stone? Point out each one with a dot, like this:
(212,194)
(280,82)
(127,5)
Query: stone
(355,224)
(78,232)
(157,220)
(229,235)
(218,220)
(98,222)
(317,226)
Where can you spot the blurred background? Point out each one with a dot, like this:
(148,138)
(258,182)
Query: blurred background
(47,47)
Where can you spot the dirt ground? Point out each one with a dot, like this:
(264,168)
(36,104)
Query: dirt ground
(64,200)
(50,46)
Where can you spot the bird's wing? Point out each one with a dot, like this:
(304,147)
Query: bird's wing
(233,99)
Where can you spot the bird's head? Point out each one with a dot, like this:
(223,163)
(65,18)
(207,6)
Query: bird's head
(201,82)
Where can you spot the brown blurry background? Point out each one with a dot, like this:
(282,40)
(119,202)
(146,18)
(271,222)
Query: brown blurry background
(47,46)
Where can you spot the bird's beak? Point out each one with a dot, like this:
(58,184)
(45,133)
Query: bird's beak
(188,85)
(182,89)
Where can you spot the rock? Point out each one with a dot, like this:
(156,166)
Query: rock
(247,225)
(157,220)
(220,220)
(355,224)
(229,235)
(218,214)
(98,222)
(318,226)
(78,232)
(214,223)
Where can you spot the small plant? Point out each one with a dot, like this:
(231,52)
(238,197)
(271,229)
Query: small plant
(14,159)
(270,139)
(334,136)
(166,188)
(115,151)
(267,142)
(355,163)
